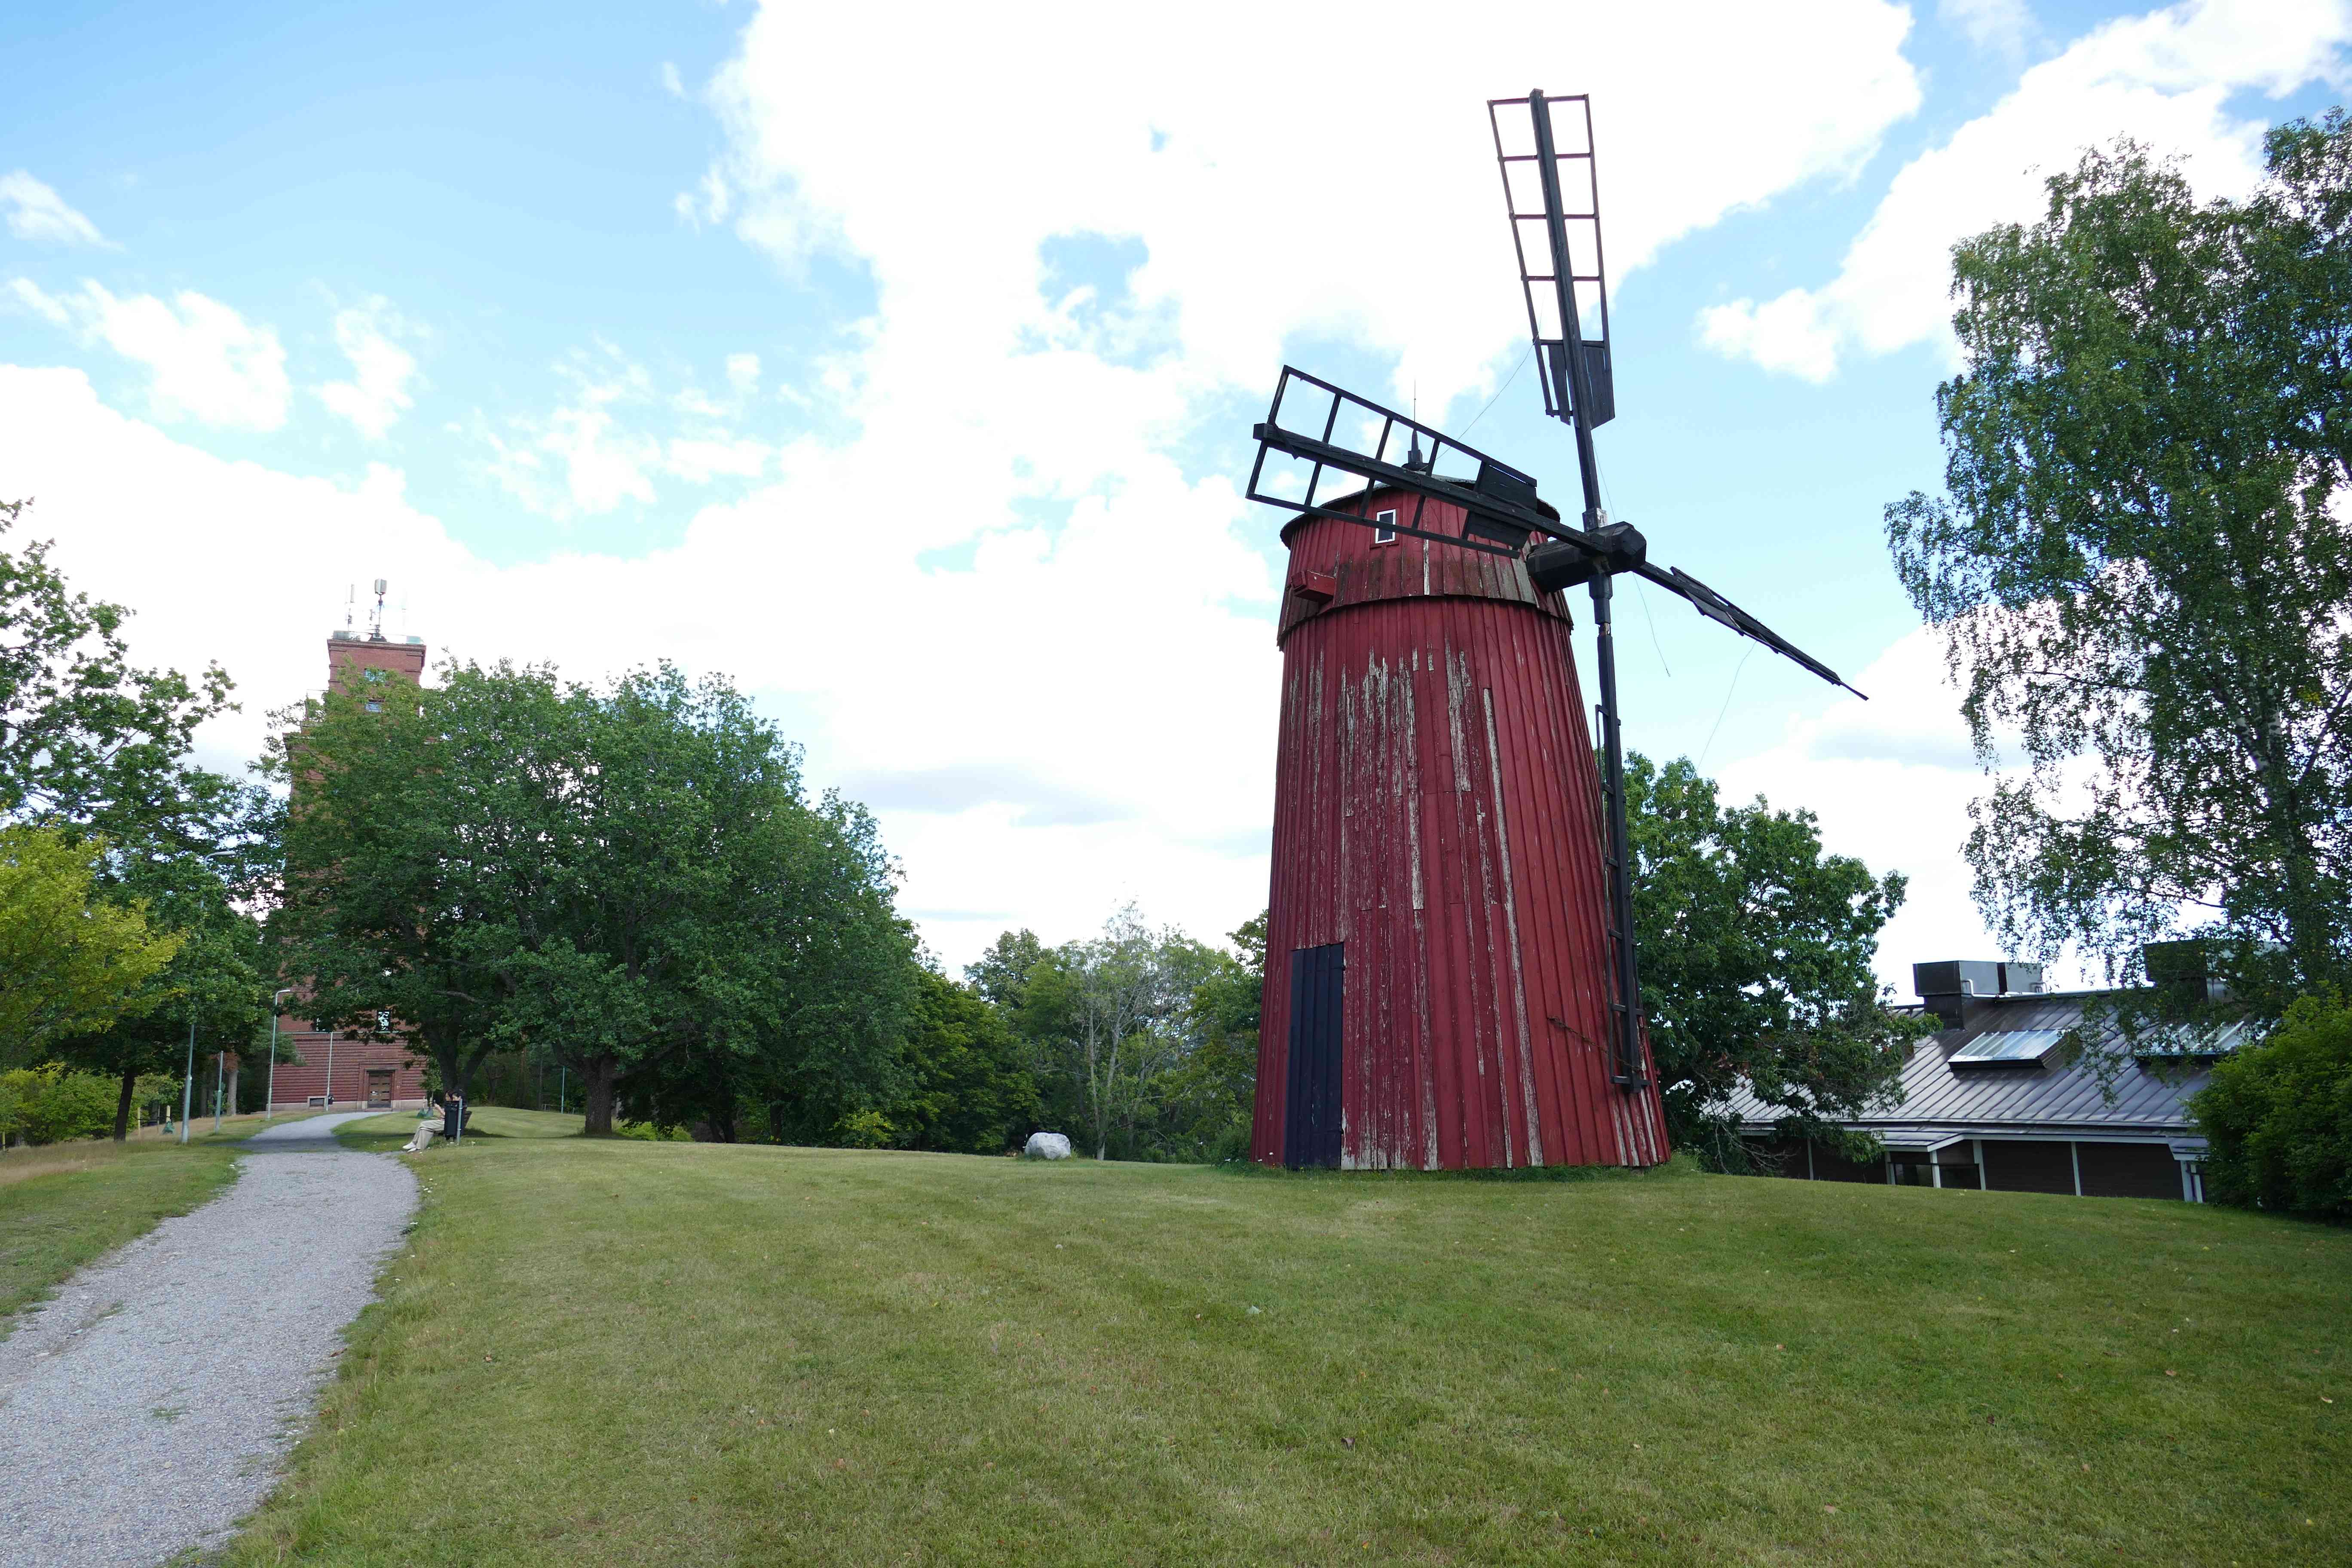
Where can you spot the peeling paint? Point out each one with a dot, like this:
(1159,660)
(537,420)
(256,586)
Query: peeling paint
(1476,974)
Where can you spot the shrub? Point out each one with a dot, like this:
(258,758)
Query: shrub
(49,1104)
(864,1130)
(2278,1118)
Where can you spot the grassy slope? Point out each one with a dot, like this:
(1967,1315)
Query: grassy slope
(388,1131)
(67,1203)
(618,1353)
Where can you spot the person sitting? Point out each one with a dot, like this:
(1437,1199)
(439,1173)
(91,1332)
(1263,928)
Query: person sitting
(422,1139)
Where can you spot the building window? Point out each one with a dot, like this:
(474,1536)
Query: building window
(1387,534)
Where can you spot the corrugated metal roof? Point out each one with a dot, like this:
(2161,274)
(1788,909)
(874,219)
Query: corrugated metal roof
(2118,1096)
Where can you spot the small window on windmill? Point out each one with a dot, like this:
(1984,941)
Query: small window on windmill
(1385,534)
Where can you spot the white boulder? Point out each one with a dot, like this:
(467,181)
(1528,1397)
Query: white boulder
(1046,1146)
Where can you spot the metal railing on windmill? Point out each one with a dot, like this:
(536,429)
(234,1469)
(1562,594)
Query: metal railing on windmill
(1544,147)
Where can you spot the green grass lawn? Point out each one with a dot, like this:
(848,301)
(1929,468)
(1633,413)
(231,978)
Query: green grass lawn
(603,1351)
(65,1204)
(390,1131)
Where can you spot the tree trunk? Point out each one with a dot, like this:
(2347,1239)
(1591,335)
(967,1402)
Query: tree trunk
(599,1072)
(123,1104)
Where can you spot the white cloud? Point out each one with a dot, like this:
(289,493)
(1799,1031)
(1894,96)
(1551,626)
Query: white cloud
(672,83)
(1891,780)
(709,202)
(1234,166)
(591,453)
(701,459)
(205,360)
(39,300)
(2166,79)
(2004,26)
(37,212)
(1791,333)
(975,405)
(377,395)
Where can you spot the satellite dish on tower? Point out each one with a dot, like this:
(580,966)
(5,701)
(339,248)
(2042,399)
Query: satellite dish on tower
(1471,500)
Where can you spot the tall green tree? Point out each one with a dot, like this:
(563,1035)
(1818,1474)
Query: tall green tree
(752,954)
(1209,1097)
(86,736)
(1000,974)
(71,961)
(969,1090)
(1141,1041)
(422,836)
(2141,572)
(628,879)
(1103,1003)
(213,993)
(1756,962)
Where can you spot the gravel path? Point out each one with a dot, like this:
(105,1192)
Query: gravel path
(146,1409)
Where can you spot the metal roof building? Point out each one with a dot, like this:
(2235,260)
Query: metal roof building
(1998,1101)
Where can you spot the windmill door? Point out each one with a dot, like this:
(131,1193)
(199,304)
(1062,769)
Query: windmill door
(1311,1107)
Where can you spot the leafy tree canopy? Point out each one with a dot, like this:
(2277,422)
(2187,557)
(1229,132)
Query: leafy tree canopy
(1756,961)
(71,961)
(629,878)
(1142,1042)
(84,736)
(2142,573)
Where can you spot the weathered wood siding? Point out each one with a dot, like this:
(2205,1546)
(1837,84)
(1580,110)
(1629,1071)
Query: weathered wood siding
(1437,810)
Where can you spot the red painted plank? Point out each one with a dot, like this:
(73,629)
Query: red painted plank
(1436,810)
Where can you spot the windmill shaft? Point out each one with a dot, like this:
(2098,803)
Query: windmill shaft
(1563,282)
(1626,1007)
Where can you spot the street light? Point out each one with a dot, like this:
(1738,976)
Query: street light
(269,1099)
(188,1082)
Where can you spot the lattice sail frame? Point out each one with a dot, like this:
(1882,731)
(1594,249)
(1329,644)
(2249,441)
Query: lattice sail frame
(1575,194)
(1500,508)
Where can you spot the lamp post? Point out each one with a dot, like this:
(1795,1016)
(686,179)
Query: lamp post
(270,1098)
(330,1069)
(188,1082)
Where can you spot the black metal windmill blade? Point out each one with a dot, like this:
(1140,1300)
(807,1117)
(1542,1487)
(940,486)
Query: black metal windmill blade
(1552,192)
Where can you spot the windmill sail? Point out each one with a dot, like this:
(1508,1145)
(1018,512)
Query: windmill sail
(1331,430)
(1544,148)
(1716,607)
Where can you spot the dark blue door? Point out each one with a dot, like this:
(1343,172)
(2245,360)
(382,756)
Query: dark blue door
(1310,1133)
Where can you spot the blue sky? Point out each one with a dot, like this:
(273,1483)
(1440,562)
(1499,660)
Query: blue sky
(901,365)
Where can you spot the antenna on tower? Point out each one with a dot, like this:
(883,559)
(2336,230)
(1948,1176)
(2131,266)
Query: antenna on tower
(351,602)
(375,621)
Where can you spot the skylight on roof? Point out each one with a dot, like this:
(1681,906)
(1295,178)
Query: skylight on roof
(2010,1046)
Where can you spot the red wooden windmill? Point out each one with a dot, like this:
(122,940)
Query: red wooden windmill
(1450,978)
